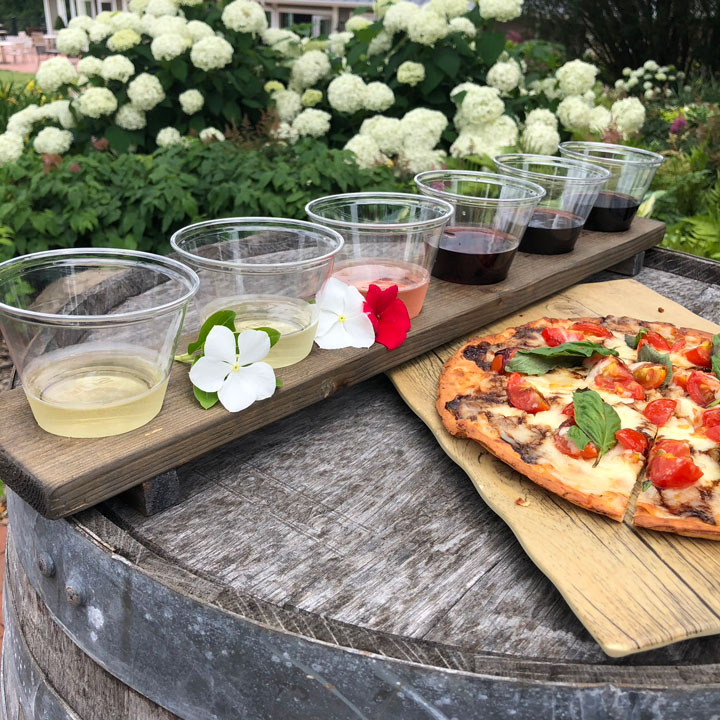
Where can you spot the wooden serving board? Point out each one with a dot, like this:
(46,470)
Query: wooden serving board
(59,476)
(633,589)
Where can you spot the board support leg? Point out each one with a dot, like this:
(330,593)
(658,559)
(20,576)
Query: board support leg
(631,266)
(154,495)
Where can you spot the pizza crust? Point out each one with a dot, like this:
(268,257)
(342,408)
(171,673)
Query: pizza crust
(651,517)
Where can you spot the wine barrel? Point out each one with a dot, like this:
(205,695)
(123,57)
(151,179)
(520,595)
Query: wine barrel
(335,565)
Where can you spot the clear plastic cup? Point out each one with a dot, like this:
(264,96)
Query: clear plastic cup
(92,334)
(631,172)
(491,214)
(268,270)
(571,188)
(390,239)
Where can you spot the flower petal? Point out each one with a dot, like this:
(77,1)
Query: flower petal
(262,376)
(379,300)
(332,296)
(208,374)
(360,330)
(220,345)
(253,346)
(334,338)
(353,301)
(237,392)
(393,325)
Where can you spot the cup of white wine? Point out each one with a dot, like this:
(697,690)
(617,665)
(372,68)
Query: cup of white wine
(92,334)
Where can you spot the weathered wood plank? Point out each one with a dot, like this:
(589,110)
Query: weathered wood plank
(59,476)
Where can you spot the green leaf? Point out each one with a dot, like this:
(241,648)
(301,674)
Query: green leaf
(578,436)
(490,45)
(650,354)
(596,419)
(206,399)
(119,139)
(646,485)
(715,357)
(278,382)
(538,361)
(273,334)
(179,70)
(633,341)
(448,61)
(221,317)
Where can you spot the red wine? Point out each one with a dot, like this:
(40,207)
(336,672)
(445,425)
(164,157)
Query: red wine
(612,212)
(551,232)
(474,256)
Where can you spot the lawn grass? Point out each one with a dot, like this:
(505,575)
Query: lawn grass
(15,77)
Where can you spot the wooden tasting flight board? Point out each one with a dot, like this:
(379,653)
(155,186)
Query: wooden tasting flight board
(60,476)
(633,589)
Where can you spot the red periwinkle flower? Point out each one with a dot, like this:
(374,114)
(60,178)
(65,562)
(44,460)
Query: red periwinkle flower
(388,315)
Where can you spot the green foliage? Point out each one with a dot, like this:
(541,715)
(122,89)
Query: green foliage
(28,13)
(17,91)
(137,201)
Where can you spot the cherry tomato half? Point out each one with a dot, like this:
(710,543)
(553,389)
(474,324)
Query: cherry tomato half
(711,417)
(589,328)
(670,465)
(680,377)
(615,377)
(557,336)
(713,433)
(650,375)
(632,440)
(658,412)
(569,410)
(655,341)
(567,447)
(700,355)
(703,388)
(502,358)
(524,396)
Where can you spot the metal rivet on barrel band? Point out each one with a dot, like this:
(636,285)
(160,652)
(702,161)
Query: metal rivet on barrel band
(46,565)
(75,593)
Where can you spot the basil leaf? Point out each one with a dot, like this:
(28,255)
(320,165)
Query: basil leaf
(578,436)
(596,419)
(538,361)
(715,357)
(278,382)
(579,348)
(206,399)
(650,354)
(634,340)
(221,317)
(273,334)
(646,485)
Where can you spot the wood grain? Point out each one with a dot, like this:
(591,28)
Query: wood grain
(59,476)
(632,589)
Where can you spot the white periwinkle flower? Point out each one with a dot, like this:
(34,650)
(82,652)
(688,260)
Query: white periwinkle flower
(540,138)
(427,27)
(342,322)
(357,22)
(117,67)
(462,25)
(161,7)
(288,104)
(505,76)
(628,115)
(96,102)
(346,93)
(386,132)
(314,123)
(309,68)
(366,150)
(398,16)
(191,101)
(55,72)
(244,16)
(211,134)
(11,147)
(502,10)
(378,97)
(410,73)
(211,53)
(168,46)
(234,368)
(145,92)
(90,66)
(71,41)
(541,116)
(129,117)
(123,40)
(576,77)
(83,22)
(169,136)
(53,140)
(197,30)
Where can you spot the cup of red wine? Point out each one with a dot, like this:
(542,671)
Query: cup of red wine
(390,239)
(631,172)
(571,190)
(491,214)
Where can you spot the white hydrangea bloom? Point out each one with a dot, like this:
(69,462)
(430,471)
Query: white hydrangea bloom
(631,83)
(541,116)
(168,136)
(104,17)
(11,148)
(314,123)
(628,115)
(502,10)
(168,46)
(649,94)
(462,25)
(505,76)
(417,160)
(191,101)
(129,117)
(620,84)
(367,153)
(481,104)
(211,134)
(190,3)
(410,73)
(387,133)
(154,27)
(600,119)
(96,102)
(285,133)
(55,72)
(98,31)
(626,71)
(71,41)
(551,88)
(123,40)
(651,65)
(117,67)
(337,42)
(356,22)
(82,22)
(284,41)
(398,16)
(288,104)
(574,113)
(450,8)
(422,128)
(21,123)
(467,144)
(380,44)
(576,77)
(138,6)
(145,92)
(53,140)
(309,68)
(125,21)
(90,66)
(197,30)
(540,138)
(211,53)
(161,7)
(427,27)
(311,97)
(381,7)
(346,93)
(378,97)
(647,85)
(244,16)
(58,111)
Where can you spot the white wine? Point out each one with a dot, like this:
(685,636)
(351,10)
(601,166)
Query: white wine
(94,392)
(296,321)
